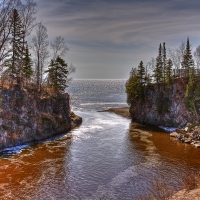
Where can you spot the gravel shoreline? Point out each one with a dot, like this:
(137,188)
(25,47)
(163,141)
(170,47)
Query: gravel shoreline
(124,111)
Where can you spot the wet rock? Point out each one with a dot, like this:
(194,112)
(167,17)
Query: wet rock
(173,134)
(197,145)
(195,133)
(187,129)
(188,141)
(189,125)
(182,131)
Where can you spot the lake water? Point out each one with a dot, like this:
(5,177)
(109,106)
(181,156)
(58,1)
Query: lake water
(108,157)
(94,95)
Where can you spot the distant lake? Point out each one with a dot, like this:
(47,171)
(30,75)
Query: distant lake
(93,95)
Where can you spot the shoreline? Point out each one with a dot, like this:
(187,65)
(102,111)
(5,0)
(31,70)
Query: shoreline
(123,111)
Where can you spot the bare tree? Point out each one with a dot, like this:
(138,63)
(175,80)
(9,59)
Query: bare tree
(28,19)
(59,47)
(6,9)
(71,70)
(197,56)
(150,66)
(177,54)
(26,12)
(40,48)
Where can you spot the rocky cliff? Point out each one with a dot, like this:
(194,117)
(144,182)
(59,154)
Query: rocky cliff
(163,106)
(24,117)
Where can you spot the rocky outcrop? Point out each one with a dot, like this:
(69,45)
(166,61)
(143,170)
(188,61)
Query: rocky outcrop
(190,135)
(156,96)
(26,118)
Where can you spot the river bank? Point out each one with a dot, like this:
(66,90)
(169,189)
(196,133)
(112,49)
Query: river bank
(182,135)
(124,111)
(189,135)
(187,195)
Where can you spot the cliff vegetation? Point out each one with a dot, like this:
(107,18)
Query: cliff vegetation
(33,77)
(163,93)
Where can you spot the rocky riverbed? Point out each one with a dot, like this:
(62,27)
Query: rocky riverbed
(190,135)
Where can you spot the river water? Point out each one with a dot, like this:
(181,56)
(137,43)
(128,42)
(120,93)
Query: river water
(107,157)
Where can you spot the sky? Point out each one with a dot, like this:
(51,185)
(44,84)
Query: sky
(107,38)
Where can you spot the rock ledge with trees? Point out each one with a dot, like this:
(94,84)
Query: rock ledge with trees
(25,117)
(34,104)
(168,94)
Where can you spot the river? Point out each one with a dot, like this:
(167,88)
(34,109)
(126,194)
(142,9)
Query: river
(108,157)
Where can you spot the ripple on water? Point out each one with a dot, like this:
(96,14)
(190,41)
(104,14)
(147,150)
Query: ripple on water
(108,159)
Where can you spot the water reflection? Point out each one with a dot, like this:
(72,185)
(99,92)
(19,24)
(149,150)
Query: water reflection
(107,157)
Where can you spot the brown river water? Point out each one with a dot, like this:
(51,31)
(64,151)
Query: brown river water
(107,157)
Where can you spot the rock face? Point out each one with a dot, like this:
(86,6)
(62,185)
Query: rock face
(147,112)
(25,118)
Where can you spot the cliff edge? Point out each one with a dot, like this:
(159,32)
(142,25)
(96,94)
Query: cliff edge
(25,117)
(163,106)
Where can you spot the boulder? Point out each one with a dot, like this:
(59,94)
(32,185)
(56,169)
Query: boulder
(189,125)
(173,134)
(197,144)
(188,129)
(188,141)
(182,131)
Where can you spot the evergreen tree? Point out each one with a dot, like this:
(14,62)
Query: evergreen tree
(17,43)
(168,72)
(158,71)
(57,73)
(27,70)
(132,86)
(141,73)
(190,89)
(164,61)
(188,61)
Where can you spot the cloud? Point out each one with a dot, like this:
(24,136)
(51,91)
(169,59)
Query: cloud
(131,26)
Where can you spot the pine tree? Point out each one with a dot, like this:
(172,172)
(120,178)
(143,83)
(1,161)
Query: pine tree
(164,61)
(132,87)
(27,70)
(188,61)
(57,73)
(190,89)
(168,72)
(141,73)
(17,44)
(158,71)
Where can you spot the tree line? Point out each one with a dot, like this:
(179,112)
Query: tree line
(26,56)
(162,71)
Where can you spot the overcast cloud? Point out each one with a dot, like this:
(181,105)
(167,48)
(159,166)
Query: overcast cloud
(108,38)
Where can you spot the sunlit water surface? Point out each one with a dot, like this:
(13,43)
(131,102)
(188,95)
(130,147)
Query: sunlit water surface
(107,157)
